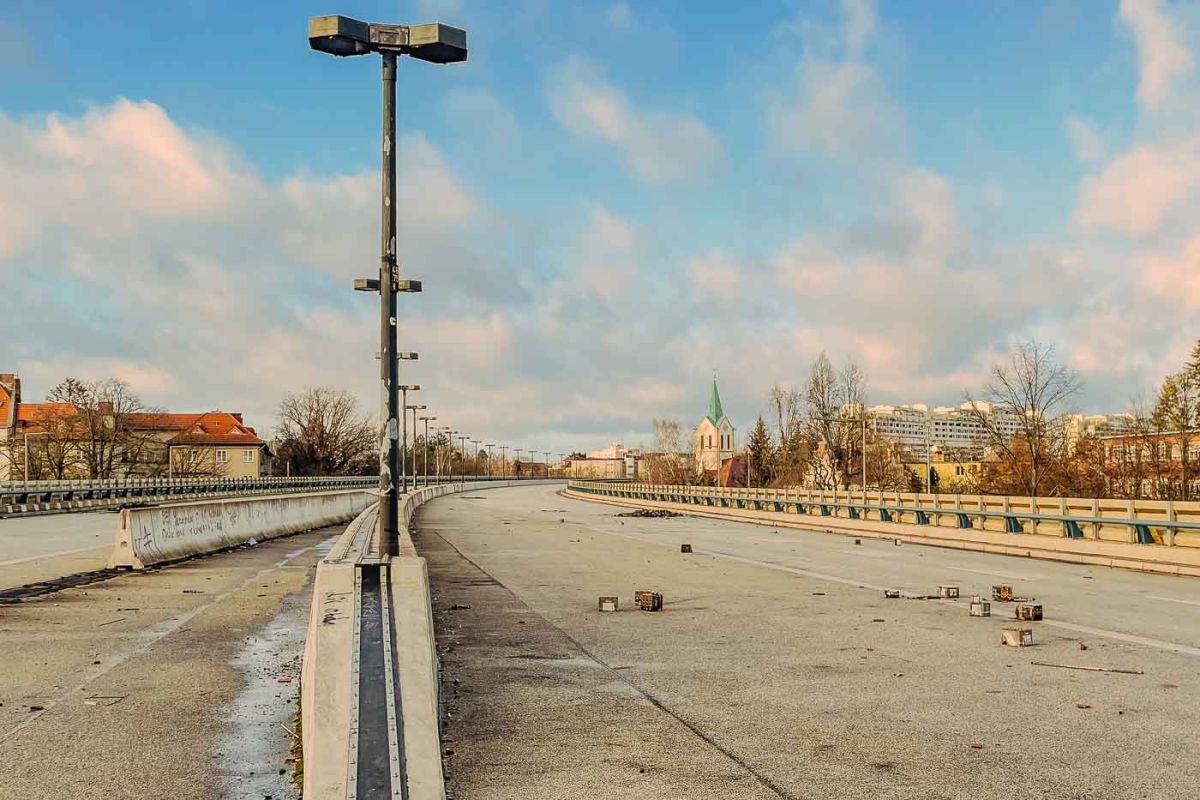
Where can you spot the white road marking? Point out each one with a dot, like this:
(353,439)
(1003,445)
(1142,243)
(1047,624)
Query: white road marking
(1174,647)
(1011,575)
(1173,600)
(15,561)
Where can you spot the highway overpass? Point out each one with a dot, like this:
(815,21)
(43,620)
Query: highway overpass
(777,668)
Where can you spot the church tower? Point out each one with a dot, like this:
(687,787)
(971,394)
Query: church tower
(713,438)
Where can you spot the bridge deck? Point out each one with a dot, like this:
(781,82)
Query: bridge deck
(779,670)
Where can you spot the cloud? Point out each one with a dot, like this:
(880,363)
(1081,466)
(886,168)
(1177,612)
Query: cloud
(132,247)
(839,106)
(1162,56)
(713,275)
(658,146)
(1138,190)
(619,15)
(1086,142)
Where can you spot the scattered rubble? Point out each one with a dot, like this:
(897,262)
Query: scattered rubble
(685,548)
(654,513)
(1016,637)
(608,603)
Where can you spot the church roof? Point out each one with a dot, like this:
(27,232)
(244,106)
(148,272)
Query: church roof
(715,412)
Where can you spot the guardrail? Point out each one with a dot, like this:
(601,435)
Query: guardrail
(370,679)
(1146,522)
(82,495)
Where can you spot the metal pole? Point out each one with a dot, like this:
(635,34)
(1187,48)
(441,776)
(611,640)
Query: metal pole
(389,511)
(403,440)
(25,476)
(864,456)
(425,454)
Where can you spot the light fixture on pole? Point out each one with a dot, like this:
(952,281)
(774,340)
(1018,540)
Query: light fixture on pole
(438,44)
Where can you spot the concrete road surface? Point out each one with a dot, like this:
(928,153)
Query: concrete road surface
(49,546)
(779,670)
(159,684)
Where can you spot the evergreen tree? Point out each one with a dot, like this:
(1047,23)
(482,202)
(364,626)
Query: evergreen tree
(758,453)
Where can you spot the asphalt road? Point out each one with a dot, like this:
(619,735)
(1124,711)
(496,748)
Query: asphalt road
(163,683)
(52,545)
(779,670)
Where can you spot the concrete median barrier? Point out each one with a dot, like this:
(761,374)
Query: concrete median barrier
(158,534)
(335,730)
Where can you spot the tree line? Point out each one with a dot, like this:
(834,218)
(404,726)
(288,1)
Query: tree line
(817,434)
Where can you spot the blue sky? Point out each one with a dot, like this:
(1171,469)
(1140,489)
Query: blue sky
(607,202)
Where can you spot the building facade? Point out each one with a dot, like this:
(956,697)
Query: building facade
(53,441)
(916,427)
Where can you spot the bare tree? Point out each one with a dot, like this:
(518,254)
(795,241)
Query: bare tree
(1030,390)
(790,456)
(54,450)
(321,432)
(669,462)
(104,420)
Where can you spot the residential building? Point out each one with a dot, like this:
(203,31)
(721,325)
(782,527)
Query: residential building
(614,462)
(52,440)
(958,430)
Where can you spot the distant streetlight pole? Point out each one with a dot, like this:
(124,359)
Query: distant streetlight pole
(425,449)
(490,448)
(439,44)
(462,440)
(414,409)
(517,463)
(503,461)
(404,388)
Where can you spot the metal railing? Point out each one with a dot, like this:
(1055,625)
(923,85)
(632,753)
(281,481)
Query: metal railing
(1149,522)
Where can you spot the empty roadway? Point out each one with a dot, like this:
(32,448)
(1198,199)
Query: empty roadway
(778,669)
(47,546)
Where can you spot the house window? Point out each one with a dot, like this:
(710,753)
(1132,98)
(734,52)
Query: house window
(222,456)
(248,456)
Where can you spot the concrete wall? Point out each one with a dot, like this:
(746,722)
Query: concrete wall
(178,530)
(1104,544)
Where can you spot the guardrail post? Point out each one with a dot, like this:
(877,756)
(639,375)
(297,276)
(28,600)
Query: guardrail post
(1169,538)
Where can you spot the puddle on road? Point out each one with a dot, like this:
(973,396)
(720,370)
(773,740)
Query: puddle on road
(255,745)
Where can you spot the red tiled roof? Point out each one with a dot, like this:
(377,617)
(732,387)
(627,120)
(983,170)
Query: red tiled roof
(216,427)
(30,416)
(5,404)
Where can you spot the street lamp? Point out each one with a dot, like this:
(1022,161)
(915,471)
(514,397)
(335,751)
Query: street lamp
(414,409)
(489,457)
(462,446)
(438,44)
(404,388)
(517,463)
(425,449)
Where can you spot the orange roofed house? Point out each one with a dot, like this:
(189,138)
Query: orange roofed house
(152,444)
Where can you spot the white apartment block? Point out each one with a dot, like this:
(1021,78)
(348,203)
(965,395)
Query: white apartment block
(916,426)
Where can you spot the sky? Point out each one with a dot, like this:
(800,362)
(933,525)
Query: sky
(607,203)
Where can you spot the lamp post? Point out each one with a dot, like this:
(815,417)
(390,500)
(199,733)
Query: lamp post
(438,44)
(489,455)
(475,457)
(414,409)
(425,449)
(462,446)
(404,388)
(517,463)
(503,461)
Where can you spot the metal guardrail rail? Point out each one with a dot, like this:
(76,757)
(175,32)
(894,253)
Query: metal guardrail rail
(1143,522)
(82,495)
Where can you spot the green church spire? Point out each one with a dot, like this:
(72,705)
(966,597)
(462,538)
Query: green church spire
(715,412)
